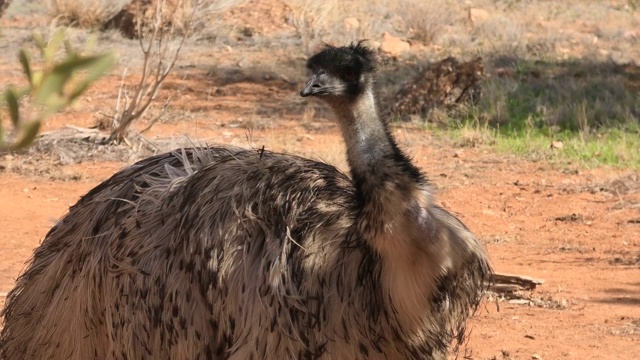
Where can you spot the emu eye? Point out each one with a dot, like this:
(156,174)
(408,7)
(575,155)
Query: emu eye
(349,74)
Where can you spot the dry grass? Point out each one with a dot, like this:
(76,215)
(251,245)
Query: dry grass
(180,15)
(310,19)
(563,58)
(84,13)
(425,21)
(177,13)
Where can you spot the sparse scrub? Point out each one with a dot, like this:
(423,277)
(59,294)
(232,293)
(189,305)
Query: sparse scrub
(374,18)
(499,34)
(310,19)
(160,51)
(177,17)
(85,13)
(590,109)
(425,21)
(586,106)
(573,96)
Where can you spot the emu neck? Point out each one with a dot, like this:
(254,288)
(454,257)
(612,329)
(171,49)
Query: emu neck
(369,145)
(390,189)
(393,200)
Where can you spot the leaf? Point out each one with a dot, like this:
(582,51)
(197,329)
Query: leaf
(1,134)
(60,74)
(24,61)
(52,84)
(12,102)
(36,79)
(68,48)
(103,63)
(54,43)
(41,44)
(90,44)
(52,106)
(29,133)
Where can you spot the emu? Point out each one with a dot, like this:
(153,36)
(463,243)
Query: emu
(228,253)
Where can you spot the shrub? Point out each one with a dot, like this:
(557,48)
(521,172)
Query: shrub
(85,13)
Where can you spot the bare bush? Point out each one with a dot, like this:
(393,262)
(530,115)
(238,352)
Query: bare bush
(160,51)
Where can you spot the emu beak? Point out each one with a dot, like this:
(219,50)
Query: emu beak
(312,86)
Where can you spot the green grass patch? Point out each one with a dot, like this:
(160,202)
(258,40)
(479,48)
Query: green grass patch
(611,147)
(573,112)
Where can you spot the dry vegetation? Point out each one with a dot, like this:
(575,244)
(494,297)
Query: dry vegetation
(556,70)
(84,13)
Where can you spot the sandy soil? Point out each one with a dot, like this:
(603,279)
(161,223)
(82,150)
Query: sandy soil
(577,229)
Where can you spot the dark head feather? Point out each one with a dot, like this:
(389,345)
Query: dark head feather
(356,56)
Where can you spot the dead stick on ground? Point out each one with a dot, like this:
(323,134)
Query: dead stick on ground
(502,283)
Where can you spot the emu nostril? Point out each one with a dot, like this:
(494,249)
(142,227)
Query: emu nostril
(315,85)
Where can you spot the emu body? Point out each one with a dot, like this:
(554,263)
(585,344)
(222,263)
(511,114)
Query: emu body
(226,253)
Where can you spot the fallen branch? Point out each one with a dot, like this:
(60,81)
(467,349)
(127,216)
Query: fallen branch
(509,283)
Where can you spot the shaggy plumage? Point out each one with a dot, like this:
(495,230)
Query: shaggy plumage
(226,253)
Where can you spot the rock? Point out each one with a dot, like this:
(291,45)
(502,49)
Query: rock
(393,46)
(631,35)
(477,16)
(557,145)
(351,23)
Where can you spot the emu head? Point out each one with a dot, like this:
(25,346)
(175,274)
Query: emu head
(340,73)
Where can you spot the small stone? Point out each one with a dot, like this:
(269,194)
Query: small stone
(557,145)
(477,16)
(631,34)
(351,23)
(393,46)
(519,302)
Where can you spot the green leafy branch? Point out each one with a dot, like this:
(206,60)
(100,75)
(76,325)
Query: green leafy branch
(53,87)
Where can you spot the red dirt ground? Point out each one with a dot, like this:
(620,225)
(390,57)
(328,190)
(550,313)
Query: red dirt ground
(579,230)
